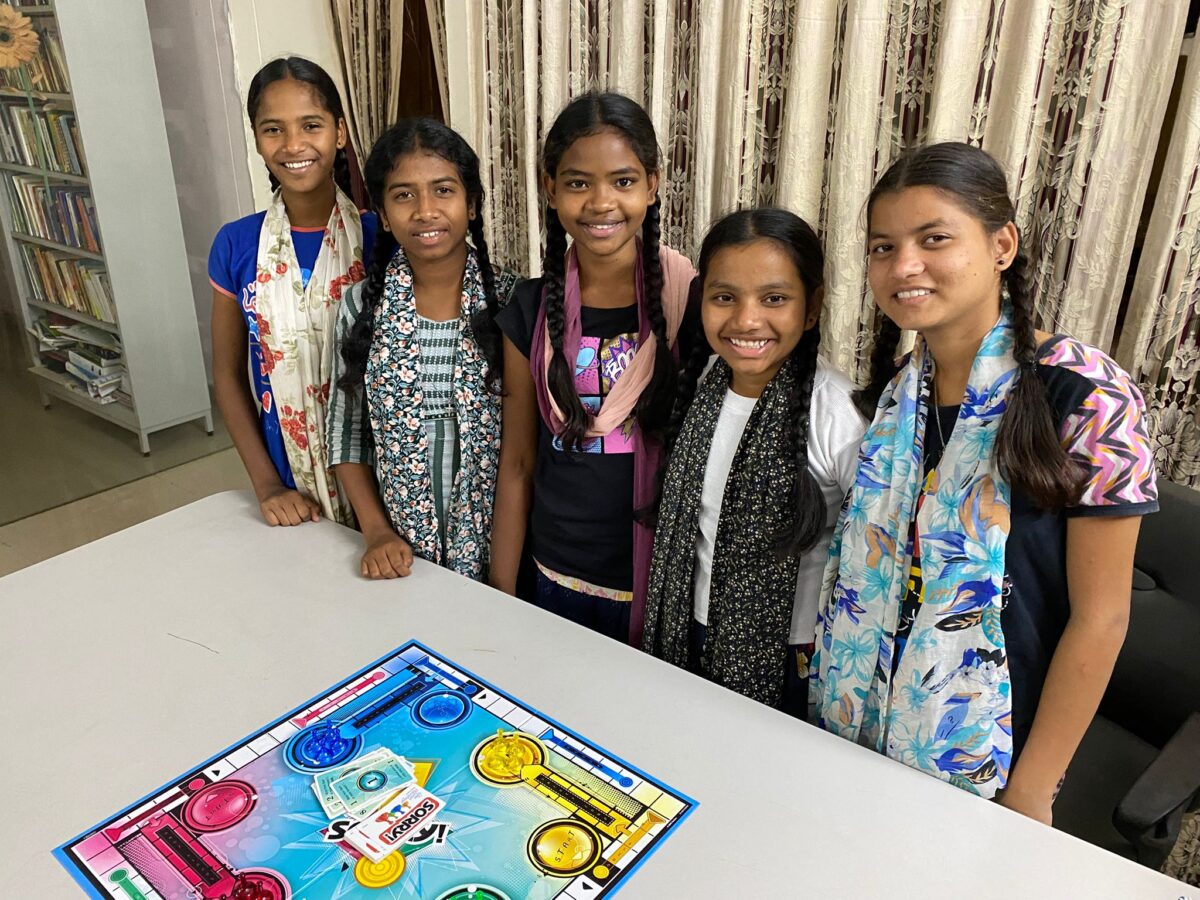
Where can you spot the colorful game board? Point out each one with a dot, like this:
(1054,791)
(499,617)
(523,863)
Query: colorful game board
(410,779)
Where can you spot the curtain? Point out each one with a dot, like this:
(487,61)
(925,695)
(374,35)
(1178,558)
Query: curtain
(437,38)
(804,103)
(370,36)
(1160,340)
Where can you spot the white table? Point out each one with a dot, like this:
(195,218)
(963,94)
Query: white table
(130,660)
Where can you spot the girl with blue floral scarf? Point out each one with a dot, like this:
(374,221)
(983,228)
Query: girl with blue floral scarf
(979,579)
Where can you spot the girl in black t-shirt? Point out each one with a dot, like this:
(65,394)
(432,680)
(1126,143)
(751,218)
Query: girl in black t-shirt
(979,579)
(589,374)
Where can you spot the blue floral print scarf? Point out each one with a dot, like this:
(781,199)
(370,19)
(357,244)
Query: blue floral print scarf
(947,710)
(394,397)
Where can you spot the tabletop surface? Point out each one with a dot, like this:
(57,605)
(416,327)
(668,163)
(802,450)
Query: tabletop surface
(119,657)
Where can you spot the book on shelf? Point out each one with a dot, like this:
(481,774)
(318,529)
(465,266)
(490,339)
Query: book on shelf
(96,361)
(53,332)
(70,282)
(26,133)
(47,71)
(63,214)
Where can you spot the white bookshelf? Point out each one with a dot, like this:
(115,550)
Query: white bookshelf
(119,121)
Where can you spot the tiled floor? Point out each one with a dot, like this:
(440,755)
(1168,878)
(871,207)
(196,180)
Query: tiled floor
(53,456)
(55,531)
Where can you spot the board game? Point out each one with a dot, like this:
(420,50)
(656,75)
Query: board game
(410,779)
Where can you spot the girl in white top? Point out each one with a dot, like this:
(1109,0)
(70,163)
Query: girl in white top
(763,449)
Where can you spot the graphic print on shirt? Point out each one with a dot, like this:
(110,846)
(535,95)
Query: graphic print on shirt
(600,362)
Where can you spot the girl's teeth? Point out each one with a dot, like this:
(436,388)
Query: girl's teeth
(611,227)
(911,295)
(748,345)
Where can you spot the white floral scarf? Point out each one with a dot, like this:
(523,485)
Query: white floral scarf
(948,709)
(296,331)
(394,396)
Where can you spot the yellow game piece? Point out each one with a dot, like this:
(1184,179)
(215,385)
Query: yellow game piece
(380,874)
(500,760)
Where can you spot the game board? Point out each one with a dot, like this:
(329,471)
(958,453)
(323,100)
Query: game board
(487,800)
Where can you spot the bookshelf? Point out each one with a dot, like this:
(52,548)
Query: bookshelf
(90,224)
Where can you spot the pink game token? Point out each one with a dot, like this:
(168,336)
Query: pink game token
(219,806)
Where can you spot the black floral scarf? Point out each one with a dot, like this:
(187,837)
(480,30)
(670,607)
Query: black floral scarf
(753,589)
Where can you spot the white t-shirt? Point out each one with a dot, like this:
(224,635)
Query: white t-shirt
(834,433)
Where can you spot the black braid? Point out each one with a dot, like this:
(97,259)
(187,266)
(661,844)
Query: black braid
(560,375)
(883,368)
(1028,450)
(357,344)
(809,520)
(654,406)
(483,323)
(687,381)
(341,172)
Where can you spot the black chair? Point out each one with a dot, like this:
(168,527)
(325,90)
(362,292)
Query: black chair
(1138,768)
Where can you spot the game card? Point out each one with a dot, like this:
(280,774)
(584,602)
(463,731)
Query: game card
(365,789)
(392,825)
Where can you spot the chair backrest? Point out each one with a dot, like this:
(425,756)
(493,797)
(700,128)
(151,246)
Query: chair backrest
(1156,682)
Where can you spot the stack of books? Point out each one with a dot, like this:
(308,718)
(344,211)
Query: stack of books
(78,284)
(47,71)
(65,214)
(91,357)
(24,133)
(102,372)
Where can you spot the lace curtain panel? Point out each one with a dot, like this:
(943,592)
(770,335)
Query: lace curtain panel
(804,103)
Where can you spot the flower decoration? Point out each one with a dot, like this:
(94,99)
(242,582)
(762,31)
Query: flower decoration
(18,40)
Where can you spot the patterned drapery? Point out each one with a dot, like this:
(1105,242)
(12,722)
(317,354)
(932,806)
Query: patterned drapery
(1160,339)
(804,103)
(370,38)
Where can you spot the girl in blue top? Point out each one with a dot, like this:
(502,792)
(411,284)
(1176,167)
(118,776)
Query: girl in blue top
(278,277)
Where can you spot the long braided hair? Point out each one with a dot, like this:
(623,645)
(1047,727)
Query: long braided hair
(1028,450)
(411,136)
(586,115)
(298,68)
(796,238)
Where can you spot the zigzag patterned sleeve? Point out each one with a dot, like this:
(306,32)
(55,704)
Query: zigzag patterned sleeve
(1106,433)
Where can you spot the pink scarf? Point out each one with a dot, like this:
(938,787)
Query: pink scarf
(618,405)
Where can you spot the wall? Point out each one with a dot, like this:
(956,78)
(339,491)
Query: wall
(193,56)
(262,30)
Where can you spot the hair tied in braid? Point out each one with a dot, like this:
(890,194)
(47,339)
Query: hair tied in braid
(423,135)
(1027,447)
(590,114)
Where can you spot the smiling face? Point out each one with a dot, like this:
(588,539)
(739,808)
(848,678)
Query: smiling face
(933,267)
(601,192)
(425,207)
(755,310)
(297,137)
